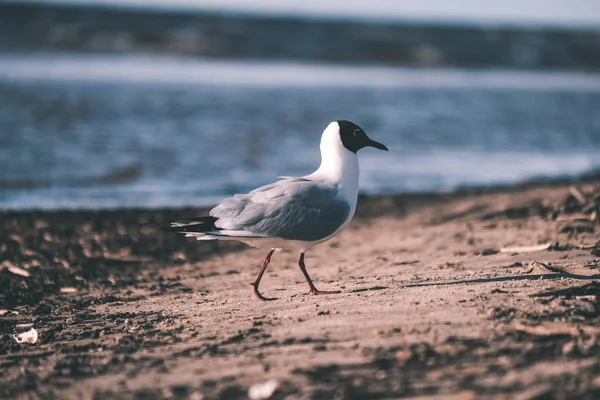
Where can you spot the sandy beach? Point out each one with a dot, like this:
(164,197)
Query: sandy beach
(489,293)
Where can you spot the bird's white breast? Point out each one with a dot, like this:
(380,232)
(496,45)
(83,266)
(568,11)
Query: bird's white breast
(339,167)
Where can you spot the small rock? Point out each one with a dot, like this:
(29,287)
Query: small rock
(499,312)
(196,396)
(31,336)
(262,391)
(402,356)
(568,348)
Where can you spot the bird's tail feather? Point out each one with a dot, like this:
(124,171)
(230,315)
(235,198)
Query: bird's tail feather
(204,228)
(197,225)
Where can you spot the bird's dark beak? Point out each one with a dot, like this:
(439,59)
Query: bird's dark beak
(377,145)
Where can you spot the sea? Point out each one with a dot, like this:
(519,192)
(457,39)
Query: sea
(143,129)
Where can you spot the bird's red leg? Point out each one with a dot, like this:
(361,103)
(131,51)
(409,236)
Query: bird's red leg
(313,289)
(259,277)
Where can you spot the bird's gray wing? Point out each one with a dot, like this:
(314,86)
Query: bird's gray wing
(293,209)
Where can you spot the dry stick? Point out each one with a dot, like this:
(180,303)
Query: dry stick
(555,330)
(577,194)
(576,217)
(525,249)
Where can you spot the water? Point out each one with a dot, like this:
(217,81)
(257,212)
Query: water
(150,131)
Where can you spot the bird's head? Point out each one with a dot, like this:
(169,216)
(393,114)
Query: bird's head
(354,138)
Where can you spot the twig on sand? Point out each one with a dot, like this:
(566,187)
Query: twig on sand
(14,269)
(525,249)
(576,217)
(578,195)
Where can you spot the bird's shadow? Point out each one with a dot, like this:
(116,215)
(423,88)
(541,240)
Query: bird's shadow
(509,278)
(369,289)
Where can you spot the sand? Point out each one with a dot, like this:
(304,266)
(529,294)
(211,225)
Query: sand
(433,303)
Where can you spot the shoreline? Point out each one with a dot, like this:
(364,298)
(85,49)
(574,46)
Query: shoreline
(489,292)
(410,197)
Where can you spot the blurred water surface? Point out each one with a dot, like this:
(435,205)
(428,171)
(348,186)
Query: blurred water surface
(132,131)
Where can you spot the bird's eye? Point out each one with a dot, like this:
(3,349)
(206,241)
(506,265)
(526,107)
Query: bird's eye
(356,132)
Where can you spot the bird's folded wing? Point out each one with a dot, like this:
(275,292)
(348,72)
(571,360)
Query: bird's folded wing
(293,209)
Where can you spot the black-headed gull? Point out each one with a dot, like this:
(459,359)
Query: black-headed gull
(294,212)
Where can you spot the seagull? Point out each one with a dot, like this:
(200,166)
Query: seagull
(294,212)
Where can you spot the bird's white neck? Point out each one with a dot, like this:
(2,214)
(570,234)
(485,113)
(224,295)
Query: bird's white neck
(338,164)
